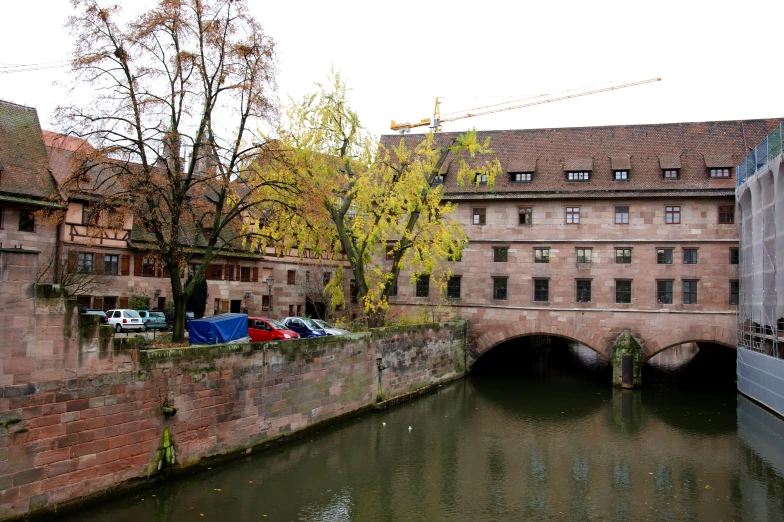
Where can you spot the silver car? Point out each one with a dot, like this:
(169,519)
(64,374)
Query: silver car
(330,329)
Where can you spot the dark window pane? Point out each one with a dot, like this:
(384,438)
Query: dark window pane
(664,256)
(541,255)
(623,255)
(26,220)
(423,286)
(726,214)
(479,216)
(541,290)
(690,292)
(734,292)
(583,291)
(453,287)
(584,255)
(664,292)
(621,215)
(690,256)
(500,254)
(623,292)
(526,215)
(499,288)
(734,256)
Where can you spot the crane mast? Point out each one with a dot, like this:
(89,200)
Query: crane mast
(435,122)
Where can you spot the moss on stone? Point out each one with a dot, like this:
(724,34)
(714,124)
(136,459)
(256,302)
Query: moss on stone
(627,344)
(127,343)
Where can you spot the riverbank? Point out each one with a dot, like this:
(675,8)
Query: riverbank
(164,411)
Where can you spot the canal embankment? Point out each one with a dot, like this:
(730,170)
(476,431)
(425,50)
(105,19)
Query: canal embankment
(128,415)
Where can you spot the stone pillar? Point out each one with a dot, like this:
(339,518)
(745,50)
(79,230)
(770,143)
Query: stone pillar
(626,344)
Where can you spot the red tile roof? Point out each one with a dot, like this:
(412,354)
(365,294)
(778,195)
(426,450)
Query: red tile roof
(692,146)
(25,172)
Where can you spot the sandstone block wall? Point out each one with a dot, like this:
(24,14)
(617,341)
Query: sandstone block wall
(68,438)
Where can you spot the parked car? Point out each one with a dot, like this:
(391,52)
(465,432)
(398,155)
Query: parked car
(304,326)
(329,328)
(125,320)
(152,319)
(261,329)
(170,318)
(100,313)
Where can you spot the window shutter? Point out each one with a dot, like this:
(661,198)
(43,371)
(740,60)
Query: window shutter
(73,261)
(230,275)
(99,263)
(255,276)
(137,265)
(226,272)
(125,265)
(224,306)
(123,302)
(158,270)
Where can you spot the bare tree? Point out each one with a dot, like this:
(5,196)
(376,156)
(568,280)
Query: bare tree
(178,93)
(77,273)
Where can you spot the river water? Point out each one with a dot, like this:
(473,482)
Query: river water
(494,447)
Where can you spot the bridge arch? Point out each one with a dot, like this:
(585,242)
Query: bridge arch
(693,334)
(525,328)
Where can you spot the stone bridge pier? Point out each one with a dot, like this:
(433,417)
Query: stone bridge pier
(650,331)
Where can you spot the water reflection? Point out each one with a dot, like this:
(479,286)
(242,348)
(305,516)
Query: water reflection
(502,449)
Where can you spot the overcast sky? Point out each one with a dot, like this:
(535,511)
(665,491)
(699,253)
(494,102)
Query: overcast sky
(716,62)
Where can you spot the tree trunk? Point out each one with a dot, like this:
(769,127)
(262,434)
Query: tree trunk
(376,319)
(178,331)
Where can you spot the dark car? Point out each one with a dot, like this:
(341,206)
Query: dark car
(304,326)
(100,313)
(170,318)
(261,329)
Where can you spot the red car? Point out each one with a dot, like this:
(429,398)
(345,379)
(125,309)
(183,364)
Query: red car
(261,329)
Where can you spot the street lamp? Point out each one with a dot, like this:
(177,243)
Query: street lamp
(270,282)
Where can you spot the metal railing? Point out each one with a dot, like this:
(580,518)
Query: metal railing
(767,149)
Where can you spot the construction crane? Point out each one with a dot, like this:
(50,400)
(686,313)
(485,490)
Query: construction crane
(435,122)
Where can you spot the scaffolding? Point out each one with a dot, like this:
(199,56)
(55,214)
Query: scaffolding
(760,205)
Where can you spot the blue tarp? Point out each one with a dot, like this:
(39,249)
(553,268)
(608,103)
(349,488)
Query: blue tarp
(218,329)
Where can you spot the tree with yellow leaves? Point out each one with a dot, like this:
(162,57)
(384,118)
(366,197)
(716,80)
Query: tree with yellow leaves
(378,208)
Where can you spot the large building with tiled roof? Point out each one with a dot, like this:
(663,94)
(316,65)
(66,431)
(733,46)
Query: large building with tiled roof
(602,229)
(26,183)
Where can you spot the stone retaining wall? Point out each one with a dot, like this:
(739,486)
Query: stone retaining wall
(64,440)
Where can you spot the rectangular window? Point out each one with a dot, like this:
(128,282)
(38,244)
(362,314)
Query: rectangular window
(621,175)
(726,214)
(572,215)
(84,264)
(422,286)
(671,173)
(111,264)
(664,292)
(479,216)
(481,178)
(438,179)
(148,267)
(525,215)
(583,291)
(541,290)
(734,256)
(245,272)
(265,303)
(578,175)
(393,289)
(541,255)
(690,292)
(720,173)
(623,256)
(585,255)
(216,306)
(689,256)
(499,288)
(621,215)
(672,215)
(521,177)
(215,271)
(500,254)
(353,290)
(26,220)
(291,277)
(734,293)
(453,287)
(664,256)
(89,216)
(390,253)
(326,277)
(623,291)
(455,257)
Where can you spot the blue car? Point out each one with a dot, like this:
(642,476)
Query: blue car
(304,326)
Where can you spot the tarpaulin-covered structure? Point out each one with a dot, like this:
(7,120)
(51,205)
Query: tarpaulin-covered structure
(218,329)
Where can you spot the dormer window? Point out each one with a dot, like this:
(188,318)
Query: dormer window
(578,175)
(719,165)
(621,175)
(671,173)
(438,179)
(670,165)
(481,178)
(719,173)
(89,215)
(621,165)
(521,177)
(578,169)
